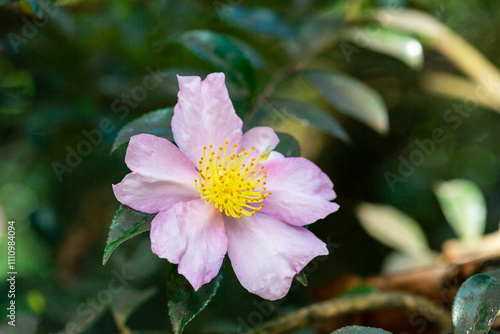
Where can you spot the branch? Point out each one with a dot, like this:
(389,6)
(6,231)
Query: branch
(354,304)
(456,87)
(434,33)
(438,282)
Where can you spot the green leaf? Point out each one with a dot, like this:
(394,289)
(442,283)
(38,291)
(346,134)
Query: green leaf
(183,302)
(302,278)
(221,52)
(311,116)
(315,33)
(359,289)
(253,56)
(352,97)
(127,223)
(393,228)
(155,123)
(395,44)
(477,303)
(256,20)
(264,115)
(288,145)
(127,302)
(463,206)
(16,89)
(360,330)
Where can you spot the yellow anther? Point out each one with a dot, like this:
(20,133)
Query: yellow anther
(230,183)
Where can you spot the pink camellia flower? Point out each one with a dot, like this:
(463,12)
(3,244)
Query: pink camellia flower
(222,191)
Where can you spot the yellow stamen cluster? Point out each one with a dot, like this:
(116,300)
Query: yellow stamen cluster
(232,185)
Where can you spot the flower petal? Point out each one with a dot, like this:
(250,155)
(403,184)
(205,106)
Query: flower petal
(204,115)
(262,138)
(266,253)
(151,195)
(191,234)
(162,175)
(157,157)
(300,191)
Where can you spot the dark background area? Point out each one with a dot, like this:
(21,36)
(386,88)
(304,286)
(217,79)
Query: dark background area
(70,74)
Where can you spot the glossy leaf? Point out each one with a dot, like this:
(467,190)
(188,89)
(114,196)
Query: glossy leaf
(264,115)
(477,303)
(302,278)
(395,44)
(318,31)
(255,20)
(393,228)
(360,330)
(311,116)
(288,145)
(222,53)
(183,302)
(253,56)
(127,223)
(463,206)
(155,123)
(352,97)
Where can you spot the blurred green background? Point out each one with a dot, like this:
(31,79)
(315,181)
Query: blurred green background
(369,88)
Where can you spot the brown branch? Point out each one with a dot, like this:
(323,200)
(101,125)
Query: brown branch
(354,304)
(429,291)
(428,281)
(456,87)
(460,52)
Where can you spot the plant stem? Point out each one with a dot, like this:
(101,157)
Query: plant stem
(460,52)
(354,304)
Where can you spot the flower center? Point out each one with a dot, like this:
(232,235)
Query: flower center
(230,183)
